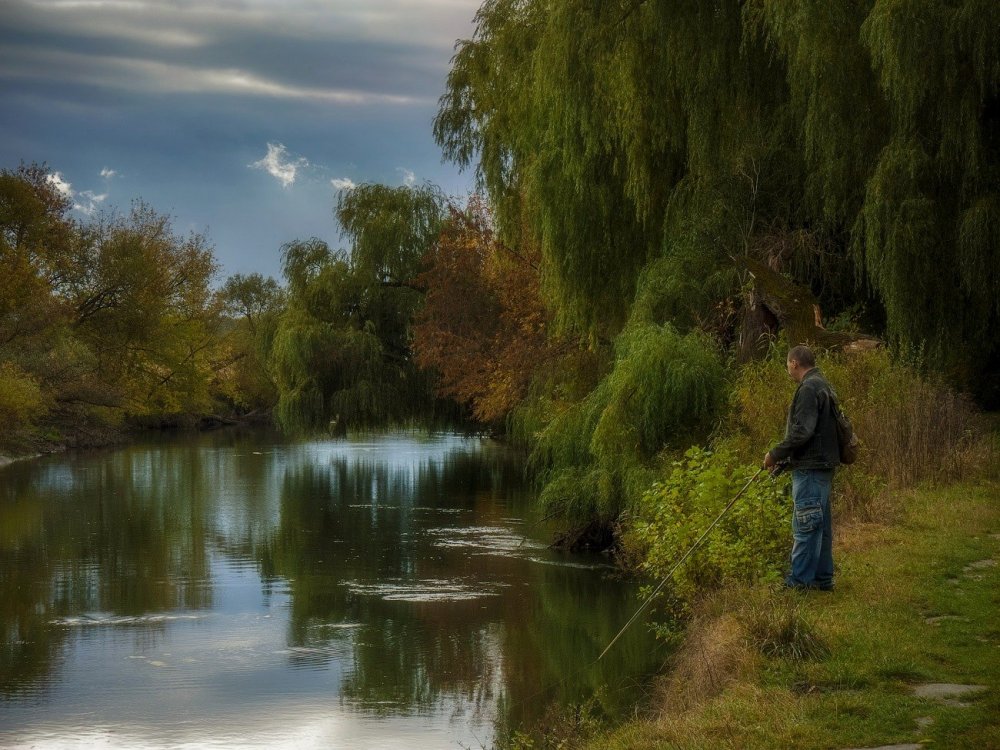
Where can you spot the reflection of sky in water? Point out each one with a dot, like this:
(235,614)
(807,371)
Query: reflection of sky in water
(221,592)
(227,678)
(283,722)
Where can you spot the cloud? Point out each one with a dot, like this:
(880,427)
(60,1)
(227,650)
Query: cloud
(89,201)
(379,52)
(108,173)
(434,23)
(343,183)
(93,4)
(408,177)
(279,165)
(84,201)
(55,179)
(152,76)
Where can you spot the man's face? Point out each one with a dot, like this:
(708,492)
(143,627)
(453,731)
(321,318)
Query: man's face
(795,371)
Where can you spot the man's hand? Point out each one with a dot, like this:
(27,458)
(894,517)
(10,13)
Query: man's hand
(769,462)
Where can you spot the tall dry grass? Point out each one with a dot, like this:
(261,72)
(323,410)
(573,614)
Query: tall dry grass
(913,427)
(728,633)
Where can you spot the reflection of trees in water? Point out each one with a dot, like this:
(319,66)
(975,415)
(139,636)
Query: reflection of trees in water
(132,533)
(364,520)
(573,618)
(407,664)
(358,522)
(30,650)
(123,535)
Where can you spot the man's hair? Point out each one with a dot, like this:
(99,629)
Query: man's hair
(803,355)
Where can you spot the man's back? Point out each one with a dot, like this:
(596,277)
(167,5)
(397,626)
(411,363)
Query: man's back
(811,429)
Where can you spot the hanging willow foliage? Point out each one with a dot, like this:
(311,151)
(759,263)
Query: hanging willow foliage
(341,352)
(664,389)
(648,144)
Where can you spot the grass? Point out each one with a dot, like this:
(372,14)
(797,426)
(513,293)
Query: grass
(820,670)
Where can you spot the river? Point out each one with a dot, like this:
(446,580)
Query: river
(234,589)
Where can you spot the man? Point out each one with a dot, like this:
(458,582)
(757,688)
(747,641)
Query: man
(810,449)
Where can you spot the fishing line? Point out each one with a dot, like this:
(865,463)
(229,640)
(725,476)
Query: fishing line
(650,598)
(678,563)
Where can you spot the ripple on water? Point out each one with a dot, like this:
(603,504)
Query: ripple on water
(426,590)
(316,655)
(85,621)
(568,564)
(492,540)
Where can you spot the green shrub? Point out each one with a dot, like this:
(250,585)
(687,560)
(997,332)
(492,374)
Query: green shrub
(664,389)
(749,544)
(21,401)
(576,493)
(596,456)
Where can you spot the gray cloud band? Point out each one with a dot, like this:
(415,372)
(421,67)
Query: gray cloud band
(339,52)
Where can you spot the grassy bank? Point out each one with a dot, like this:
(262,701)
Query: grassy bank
(916,603)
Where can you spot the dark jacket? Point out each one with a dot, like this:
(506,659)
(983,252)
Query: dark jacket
(811,430)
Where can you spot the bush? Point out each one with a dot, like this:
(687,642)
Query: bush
(595,456)
(21,402)
(914,426)
(749,544)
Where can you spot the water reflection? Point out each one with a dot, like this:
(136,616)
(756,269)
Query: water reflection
(383,582)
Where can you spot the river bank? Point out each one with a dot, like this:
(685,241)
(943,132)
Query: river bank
(83,435)
(905,652)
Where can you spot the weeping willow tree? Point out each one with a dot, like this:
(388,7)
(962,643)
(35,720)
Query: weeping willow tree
(658,150)
(592,122)
(341,353)
(900,123)
(649,145)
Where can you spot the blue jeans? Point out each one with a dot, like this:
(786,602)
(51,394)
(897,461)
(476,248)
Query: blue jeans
(812,529)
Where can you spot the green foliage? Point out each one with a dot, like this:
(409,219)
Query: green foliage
(340,355)
(21,402)
(142,303)
(252,298)
(664,388)
(104,320)
(648,146)
(588,121)
(750,544)
(253,304)
(390,228)
(556,387)
(595,457)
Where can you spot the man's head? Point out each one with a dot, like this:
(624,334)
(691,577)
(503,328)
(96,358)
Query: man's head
(800,360)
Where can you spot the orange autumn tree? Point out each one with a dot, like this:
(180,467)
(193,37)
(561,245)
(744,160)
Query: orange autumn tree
(483,326)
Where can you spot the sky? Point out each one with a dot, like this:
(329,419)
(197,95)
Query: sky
(241,119)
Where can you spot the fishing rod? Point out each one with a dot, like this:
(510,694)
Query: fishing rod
(678,563)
